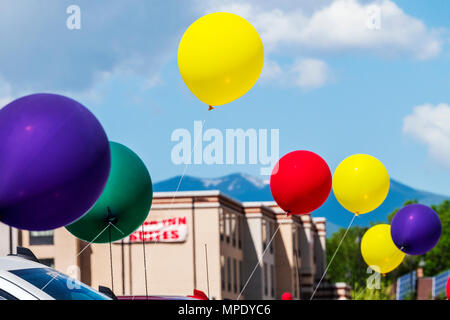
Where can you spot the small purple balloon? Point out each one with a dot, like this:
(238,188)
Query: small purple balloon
(416,229)
(54,161)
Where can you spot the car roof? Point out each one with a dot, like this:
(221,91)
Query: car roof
(15,263)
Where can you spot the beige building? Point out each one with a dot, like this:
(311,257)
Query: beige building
(259,250)
(199,240)
(301,258)
(8,239)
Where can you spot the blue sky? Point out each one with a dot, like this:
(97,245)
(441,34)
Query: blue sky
(330,84)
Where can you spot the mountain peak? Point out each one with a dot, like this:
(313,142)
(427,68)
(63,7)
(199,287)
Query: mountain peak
(245,187)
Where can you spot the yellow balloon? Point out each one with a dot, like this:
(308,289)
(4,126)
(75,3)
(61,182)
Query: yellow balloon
(361,183)
(220,58)
(379,251)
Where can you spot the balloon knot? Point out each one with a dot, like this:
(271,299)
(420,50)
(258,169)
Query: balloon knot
(210,108)
(110,218)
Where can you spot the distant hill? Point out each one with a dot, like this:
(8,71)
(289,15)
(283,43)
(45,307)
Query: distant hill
(244,187)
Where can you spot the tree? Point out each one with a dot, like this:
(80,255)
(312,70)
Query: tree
(348,265)
(410,263)
(407,203)
(385,292)
(438,259)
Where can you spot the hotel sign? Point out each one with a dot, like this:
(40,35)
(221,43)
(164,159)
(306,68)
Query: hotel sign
(165,230)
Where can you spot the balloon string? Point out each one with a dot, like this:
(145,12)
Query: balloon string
(145,263)
(332,258)
(207,271)
(112,225)
(110,260)
(184,172)
(79,253)
(171,206)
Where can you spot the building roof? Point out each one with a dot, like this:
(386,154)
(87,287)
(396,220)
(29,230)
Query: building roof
(258,208)
(268,207)
(169,199)
(202,193)
(191,194)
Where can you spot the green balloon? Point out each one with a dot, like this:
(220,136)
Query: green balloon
(124,203)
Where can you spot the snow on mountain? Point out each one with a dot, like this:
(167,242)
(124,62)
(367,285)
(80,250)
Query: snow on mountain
(244,187)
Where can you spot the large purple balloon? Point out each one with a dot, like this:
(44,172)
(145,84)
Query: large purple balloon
(416,229)
(54,161)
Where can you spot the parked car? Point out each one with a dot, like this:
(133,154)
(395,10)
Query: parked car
(22,277)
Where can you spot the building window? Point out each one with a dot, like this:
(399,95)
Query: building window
(271,233)
(227,227)
(235,280)
(48,262)
(241,276)
(222,271)
(294,244)
(221,225)
(264,234)
(295,241)
(272,281)
(266,289)
(41,237)
(295,283)
(233,229)
(240,231)
(228,274)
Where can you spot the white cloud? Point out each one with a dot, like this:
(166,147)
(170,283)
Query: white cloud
(153,81)
(305,73)
(431,125)
(109,42)
(301,31)
(307,6)
(116,37)
(271,71)
(310,73)
(336,26)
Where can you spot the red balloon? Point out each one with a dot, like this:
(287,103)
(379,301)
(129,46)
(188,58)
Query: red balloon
(300,182)
(286,296)
(448,288)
